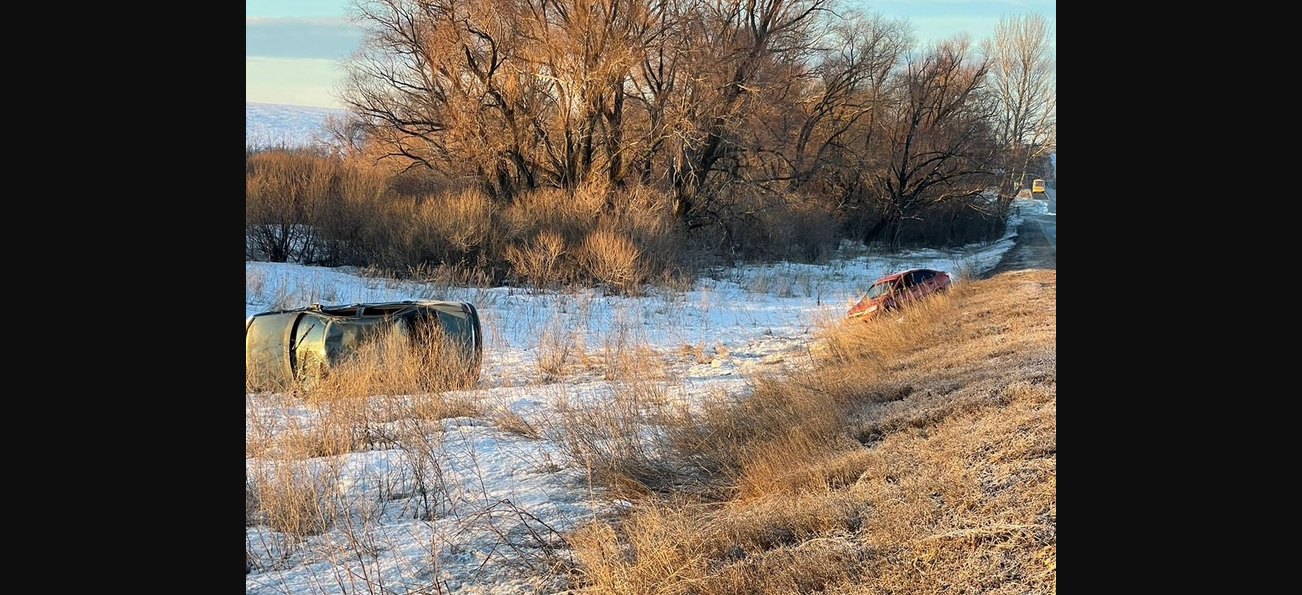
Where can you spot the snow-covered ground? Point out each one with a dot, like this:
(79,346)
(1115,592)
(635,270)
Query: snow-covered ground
(272,125)
(728,328)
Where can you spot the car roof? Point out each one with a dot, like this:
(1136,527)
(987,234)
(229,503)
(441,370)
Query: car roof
(898,274)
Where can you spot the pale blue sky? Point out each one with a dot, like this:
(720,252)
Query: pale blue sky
(292,48)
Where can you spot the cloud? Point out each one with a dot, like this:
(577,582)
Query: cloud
(314,38)
(292,81)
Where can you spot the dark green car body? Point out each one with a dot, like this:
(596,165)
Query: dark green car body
(286,348)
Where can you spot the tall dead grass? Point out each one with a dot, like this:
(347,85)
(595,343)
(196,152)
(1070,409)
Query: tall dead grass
(620,240)
(318,209)
(389,396)
(625,440)
(917,456)
(612,259)
(560,347)
(538,261)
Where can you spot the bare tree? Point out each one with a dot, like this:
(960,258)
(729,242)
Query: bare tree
(585,52)
(826,127)
(1023,78)
(716,101)
(937,143)
(439,84)
(520,94)
(740,52)
(532,93)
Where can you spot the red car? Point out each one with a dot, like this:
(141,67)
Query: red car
(894,290)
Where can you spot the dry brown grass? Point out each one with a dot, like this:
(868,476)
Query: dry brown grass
(301,206)
(388,395)
(624,354)
(538,261)
(592,235)
(918,456)
(395,364)
(292,497)
(464,219)
(560,347)
(513,422)
(624,441)
(619,441)
(612,259)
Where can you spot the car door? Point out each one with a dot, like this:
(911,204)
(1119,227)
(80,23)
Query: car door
(908,288)
(890,299)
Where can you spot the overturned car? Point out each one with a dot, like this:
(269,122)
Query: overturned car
(288,348)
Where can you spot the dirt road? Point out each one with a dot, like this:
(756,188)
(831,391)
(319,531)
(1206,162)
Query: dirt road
(1034,248)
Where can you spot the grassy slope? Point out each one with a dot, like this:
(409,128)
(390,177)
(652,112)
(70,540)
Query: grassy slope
(918,456)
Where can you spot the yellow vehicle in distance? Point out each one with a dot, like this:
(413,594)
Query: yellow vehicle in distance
(1037,186)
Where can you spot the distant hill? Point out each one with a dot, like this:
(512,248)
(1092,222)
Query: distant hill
(276,125)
